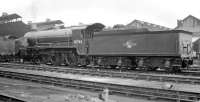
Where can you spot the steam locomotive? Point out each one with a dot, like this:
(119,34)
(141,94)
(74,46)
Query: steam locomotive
(91,46)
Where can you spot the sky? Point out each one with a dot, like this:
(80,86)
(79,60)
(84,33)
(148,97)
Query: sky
(107,12)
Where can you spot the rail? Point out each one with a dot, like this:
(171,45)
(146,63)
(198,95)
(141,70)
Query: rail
(99,86)
(131,75)
(8,98)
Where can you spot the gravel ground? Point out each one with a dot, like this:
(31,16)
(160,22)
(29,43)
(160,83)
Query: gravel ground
(120,81)
(46,93)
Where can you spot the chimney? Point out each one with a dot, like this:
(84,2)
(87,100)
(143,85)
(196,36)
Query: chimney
(179,23)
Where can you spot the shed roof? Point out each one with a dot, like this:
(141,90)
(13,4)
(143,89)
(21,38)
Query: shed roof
(150,26)
(10,17)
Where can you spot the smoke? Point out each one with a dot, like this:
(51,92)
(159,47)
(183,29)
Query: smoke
(34,10)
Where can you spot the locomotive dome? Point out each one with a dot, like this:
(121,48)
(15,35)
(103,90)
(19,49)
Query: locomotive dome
(49,33)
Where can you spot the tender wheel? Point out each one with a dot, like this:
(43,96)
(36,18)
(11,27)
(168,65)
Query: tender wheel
(113,66)
(174,69)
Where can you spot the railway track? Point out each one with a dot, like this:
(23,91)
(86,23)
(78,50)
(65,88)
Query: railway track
(99,86)
(8,98)
(131,75)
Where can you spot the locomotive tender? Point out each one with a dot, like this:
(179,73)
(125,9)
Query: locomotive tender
(171,50)
(89,45)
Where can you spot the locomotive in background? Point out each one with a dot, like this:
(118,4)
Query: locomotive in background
(11,28)
(90,45)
